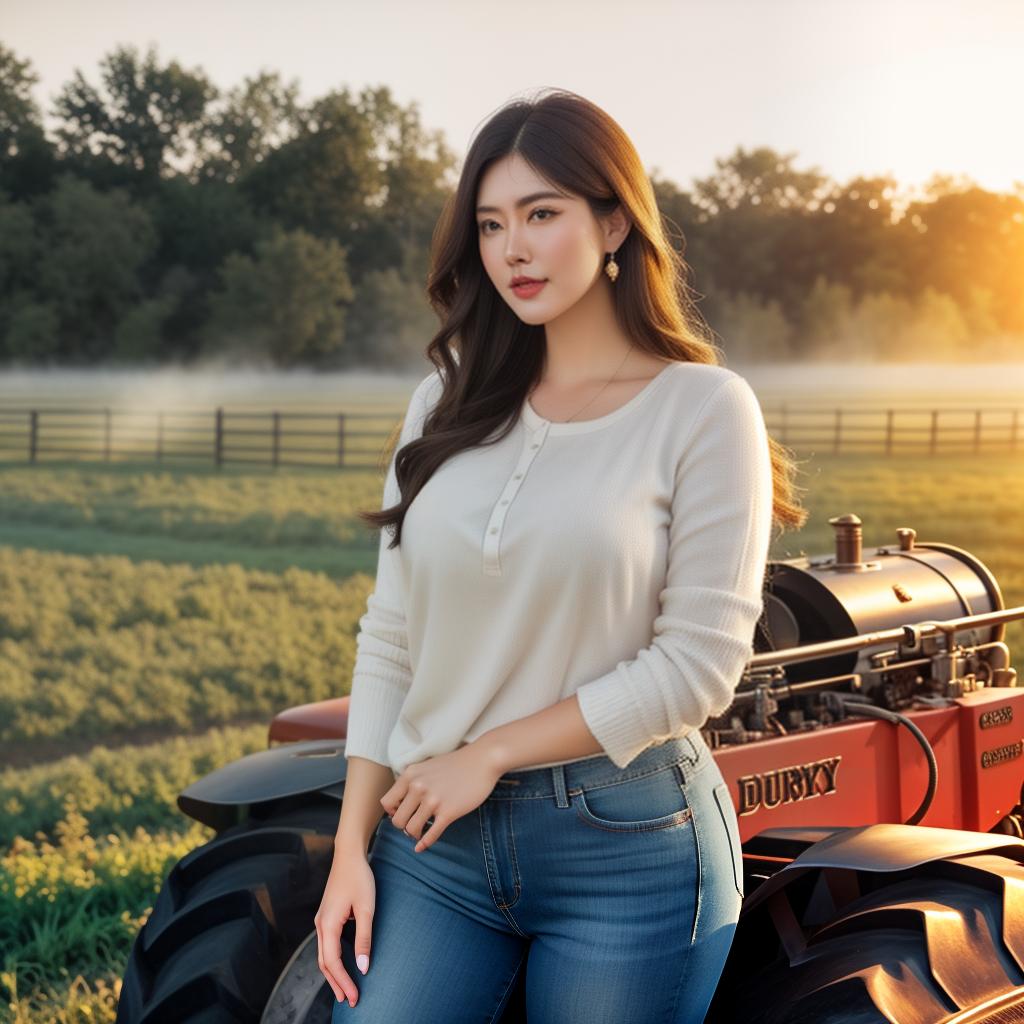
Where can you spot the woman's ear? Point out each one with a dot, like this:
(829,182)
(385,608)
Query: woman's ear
(616,227)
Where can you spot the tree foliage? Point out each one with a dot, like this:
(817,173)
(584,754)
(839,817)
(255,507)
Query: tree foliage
(169,219)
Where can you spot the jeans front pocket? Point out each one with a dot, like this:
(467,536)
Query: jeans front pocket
(728,813)
(653,801)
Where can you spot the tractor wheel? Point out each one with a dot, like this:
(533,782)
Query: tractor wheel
(941,942)
(231,916)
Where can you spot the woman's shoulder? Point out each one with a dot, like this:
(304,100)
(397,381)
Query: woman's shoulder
(698,381)
(425,395)
(713,399)
(430,387)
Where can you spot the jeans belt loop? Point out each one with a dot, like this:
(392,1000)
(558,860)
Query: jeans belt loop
(558,774)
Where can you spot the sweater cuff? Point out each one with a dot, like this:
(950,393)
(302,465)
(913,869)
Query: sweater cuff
(373,709)
(611,715)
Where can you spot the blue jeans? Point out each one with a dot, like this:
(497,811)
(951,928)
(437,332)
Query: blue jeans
(616,890)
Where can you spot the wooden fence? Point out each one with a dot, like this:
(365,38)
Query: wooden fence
(892,431)
(219,436)
(352,439)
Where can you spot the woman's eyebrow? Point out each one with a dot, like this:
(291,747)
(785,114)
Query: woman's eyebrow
(532,197)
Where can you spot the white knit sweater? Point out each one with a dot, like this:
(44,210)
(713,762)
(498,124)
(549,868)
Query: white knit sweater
(620,558)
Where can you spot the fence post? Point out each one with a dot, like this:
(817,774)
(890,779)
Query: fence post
(935,431)
(888,432)
(977,431)
(106,435)
(341,439)
(33,435)
(838,432)
(277,438)
(1013,432)
(159,436)
(218,438)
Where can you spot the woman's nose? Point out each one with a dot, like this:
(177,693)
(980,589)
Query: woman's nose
(515,251)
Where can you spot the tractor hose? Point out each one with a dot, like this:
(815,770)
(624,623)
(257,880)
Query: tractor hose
(853,704)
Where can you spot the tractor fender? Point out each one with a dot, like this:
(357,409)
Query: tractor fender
(883,847)
(892,847)
(226,795)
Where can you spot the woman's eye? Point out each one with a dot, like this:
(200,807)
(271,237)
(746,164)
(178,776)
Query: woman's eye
(540,209)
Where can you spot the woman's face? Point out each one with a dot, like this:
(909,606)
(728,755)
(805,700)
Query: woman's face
(554,237)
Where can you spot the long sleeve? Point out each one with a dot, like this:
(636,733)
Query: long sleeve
(713,595)
(382,673)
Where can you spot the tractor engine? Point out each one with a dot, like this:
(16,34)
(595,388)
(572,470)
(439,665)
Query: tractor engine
(849,593)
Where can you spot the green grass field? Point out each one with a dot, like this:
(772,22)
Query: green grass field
(153,620)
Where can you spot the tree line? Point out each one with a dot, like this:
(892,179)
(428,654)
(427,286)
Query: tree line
(163,218)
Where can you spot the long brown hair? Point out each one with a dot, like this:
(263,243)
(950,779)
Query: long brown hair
(579,148)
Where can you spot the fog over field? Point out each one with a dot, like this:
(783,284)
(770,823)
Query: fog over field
(909,384)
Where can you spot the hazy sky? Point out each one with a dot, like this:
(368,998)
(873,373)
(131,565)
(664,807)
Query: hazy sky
(906,87)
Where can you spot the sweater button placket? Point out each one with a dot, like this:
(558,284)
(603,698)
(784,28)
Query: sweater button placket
(492,537)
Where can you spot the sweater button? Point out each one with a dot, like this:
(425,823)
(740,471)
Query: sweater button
(494,529)
(518,476)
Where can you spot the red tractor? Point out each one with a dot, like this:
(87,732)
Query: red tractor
(873,753)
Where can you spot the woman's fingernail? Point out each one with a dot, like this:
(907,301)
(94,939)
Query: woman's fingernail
(362,962)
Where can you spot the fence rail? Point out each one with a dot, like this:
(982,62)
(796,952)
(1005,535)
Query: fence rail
(217,436)
(269,437)
(892,431)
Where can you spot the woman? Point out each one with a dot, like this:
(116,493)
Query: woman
(582,498)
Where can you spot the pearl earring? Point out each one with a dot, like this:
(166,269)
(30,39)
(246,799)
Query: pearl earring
(611,268)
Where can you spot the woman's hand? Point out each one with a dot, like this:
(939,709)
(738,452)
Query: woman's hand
(350,892)
(445,787)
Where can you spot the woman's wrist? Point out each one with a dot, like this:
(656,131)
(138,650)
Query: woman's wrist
(491,749)
(346,847)
(352,841)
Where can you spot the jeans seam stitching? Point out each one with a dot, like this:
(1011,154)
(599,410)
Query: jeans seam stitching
(698,770)
(515,974)
(515,860)
(736,867)
(677,818)
(699,873)
(512,921)
(500,907)
(683,977)
(632,778)
(487,859)
(699,763)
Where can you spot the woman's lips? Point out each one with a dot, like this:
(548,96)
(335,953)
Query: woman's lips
(528,289)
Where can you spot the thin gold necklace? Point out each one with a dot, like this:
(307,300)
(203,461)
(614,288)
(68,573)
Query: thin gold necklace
(603,386)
